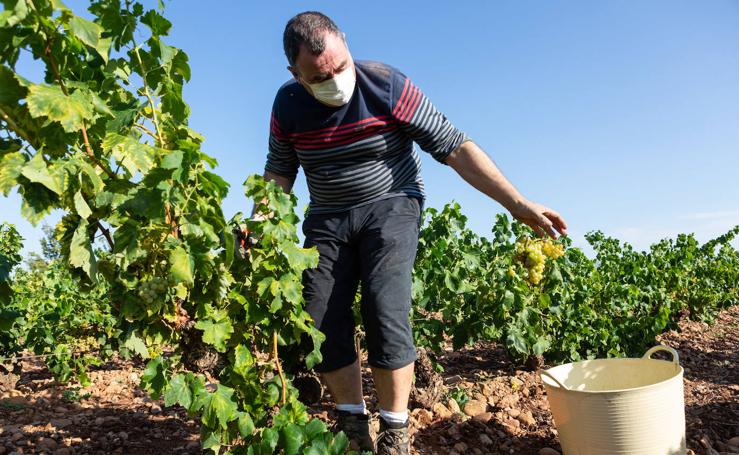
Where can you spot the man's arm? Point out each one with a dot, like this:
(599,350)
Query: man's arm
(477,169)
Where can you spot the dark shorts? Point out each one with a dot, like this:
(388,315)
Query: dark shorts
(374,244)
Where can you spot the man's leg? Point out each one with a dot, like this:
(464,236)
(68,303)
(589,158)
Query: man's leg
(345,384)
(329,292)
(393,387)
(388,243)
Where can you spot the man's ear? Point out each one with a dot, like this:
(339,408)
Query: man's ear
(294,72)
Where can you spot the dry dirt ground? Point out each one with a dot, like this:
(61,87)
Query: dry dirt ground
(507,411)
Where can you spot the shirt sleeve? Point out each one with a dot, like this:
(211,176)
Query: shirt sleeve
(281,158)
(420,120)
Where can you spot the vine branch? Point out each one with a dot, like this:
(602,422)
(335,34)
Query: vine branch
(14,127)
(85,139)
(106,234)
(283,396)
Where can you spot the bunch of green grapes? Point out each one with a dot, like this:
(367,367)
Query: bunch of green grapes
(533,254)
(150,290)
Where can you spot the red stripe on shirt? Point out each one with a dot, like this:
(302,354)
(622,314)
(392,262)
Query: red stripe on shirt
(412,105)
(349,140)
(343,134)
(334,129)
(401,100)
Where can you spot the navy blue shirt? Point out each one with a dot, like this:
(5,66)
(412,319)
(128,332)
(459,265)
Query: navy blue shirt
(362,151)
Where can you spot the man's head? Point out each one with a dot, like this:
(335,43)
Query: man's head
(319,58)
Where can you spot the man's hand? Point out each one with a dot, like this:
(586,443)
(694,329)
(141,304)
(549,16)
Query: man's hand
(543,220)
(245,240)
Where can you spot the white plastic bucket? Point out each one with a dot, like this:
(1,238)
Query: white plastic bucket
(619,406)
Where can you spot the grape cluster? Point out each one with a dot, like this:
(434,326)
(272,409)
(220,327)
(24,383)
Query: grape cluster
(533,253)
(151,289)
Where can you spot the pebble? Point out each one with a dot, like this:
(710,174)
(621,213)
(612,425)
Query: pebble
(514,412)
(527,418)
(484,417)
(453,406)
(485,439)
(63,451)
(548,451)
(475,407)
(16,437)
(441,411)
(46,444)
(733,441)
(460,447)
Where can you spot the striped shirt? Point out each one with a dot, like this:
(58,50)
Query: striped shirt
(362,151)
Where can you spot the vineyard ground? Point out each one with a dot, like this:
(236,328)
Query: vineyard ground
(39,416)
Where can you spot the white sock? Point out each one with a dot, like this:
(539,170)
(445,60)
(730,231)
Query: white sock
(360,408)
(394,417)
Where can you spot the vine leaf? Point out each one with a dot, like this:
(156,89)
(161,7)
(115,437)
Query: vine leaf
(80,251)
(132,154)
(10,168)
(36,171)
(137,345)
(89,33)
(178,391)
(217,330)
(81,206)
(70,111)
(181,269)
(220,407)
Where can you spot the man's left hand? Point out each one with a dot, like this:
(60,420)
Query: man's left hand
(543,220)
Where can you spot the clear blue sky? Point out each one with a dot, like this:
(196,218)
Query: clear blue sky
(623,116)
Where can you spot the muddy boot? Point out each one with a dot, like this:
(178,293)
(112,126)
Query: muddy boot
(393,439)
(357,429)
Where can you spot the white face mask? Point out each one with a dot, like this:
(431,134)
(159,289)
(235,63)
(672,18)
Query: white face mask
(336,91)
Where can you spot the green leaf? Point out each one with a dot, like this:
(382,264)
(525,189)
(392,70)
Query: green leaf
(292,438)
(70,111)
(172,160)
(212,442)
(178,391)
(314,428)
(80,251)
(221,408)
(246,425)
(89,33)
(541,346)
(339,444)
(517,342)
(314,357)
(269,440)
(36,171)
(291,289)
(81,206)
(152,378)
(156,22)
(181,265)
(11,166)
(243,360)
(132,154)
(216,332)
(137,345)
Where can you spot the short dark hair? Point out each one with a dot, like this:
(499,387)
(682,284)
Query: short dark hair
(307,28)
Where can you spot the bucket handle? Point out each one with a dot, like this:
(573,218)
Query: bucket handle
(551,376)
(662,347)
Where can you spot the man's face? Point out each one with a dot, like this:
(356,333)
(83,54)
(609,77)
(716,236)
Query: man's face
(312,69)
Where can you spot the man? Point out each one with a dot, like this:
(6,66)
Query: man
(351,126)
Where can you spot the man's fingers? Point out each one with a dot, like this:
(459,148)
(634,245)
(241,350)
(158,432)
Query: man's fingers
(556,220)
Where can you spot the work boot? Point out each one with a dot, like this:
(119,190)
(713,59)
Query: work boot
(393,439)
(357,428)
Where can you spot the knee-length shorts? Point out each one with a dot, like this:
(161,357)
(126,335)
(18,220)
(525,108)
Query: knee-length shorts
(375,245)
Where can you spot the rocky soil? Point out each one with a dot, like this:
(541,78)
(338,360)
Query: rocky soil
(504,407)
